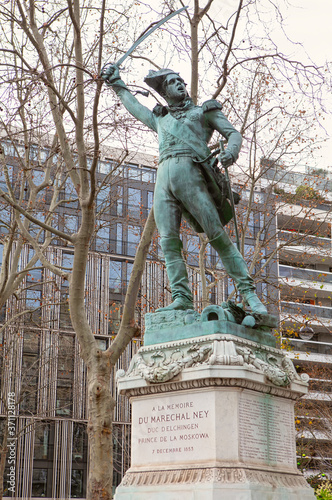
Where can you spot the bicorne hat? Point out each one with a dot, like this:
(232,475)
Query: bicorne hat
(155,79)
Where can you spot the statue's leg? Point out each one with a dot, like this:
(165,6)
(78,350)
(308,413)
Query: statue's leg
(167,214)
(197,200)
(237,269)
(177,275)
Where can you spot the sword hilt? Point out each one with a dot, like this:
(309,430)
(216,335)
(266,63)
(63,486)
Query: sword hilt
(103,69)
(222,150)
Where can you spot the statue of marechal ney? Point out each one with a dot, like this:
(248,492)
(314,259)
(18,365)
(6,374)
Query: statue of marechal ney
(188,181)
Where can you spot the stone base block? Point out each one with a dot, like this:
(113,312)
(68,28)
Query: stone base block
(214,484)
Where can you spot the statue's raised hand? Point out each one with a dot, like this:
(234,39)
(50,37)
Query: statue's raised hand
(110,74)
(226,158)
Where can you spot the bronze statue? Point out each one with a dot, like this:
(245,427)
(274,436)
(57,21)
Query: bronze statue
(184,185)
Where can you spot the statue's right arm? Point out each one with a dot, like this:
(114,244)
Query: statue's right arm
(112,78)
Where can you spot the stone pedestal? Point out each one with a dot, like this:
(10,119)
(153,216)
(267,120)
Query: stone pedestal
(212,419)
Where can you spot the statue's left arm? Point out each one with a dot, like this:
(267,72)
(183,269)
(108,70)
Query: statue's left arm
(218,121)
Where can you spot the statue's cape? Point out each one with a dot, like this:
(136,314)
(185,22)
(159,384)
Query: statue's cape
(186,133)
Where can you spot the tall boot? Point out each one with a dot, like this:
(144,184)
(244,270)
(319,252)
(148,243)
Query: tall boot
(177,274)
(237,269)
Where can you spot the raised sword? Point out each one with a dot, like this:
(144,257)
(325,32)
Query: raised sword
(142,38)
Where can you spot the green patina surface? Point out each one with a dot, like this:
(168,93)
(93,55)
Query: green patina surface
(163,333)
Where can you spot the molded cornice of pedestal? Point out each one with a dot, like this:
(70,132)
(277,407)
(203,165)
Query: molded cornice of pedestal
(215,360)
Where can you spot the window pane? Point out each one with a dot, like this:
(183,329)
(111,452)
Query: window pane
(39,483)
(134,203)
(69,189)
(38,176)
(193,250)
(65,321)
(64,399)
(8,148)
(28,397)
(230,287)
(64,393)
(79,443)
(248,253)
(134,173)
(30,370)
(65,357)
(133,237)
(119,238)
(71,223)
(67,261)
(103,239)
(35,275)
(31,342)
(119,201)
(76,487)
(33,299)
(150,199)
(103,198)
(115,279)
(129,271)
(3,184)
(44,154)
(42,438)
(33,153)
(4,219)
(219,264)
(147,175)
(115,317)
(34,228)
(104,167)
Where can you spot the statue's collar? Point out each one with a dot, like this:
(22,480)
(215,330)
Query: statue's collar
(184,105)
(160,110)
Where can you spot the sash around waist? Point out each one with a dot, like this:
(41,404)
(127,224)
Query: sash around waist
(175,154)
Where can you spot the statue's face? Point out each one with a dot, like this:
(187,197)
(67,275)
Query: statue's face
(174,89)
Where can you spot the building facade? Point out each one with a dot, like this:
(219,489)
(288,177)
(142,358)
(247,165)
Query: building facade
(304,224)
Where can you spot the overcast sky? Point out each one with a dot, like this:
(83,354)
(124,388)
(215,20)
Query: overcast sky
(306,22)
(309,22)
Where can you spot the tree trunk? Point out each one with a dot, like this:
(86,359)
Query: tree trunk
(101,407)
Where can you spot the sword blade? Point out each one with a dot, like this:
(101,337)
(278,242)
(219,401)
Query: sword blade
(148,33)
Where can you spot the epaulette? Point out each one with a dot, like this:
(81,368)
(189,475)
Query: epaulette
(210,105)
(159,110)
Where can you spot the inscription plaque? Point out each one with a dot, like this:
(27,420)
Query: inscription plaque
(267,433)
(173,429)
